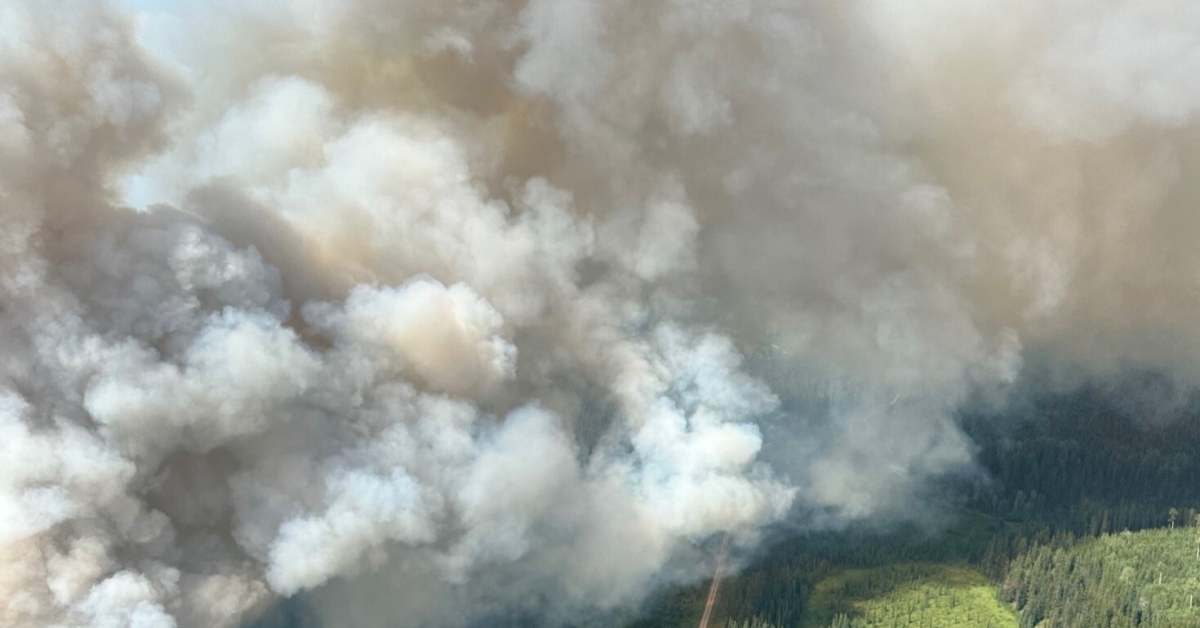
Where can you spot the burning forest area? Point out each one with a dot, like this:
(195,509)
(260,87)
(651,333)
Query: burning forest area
(581,313)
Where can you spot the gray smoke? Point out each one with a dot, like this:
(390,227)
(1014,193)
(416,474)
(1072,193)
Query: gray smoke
(432,310)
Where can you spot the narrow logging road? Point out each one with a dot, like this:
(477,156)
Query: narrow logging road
(715,586)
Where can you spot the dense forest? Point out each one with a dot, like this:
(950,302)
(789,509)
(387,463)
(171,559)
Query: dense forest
(1146,578)
(1082,462)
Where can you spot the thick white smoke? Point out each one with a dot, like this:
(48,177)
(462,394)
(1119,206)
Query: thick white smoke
(436,310)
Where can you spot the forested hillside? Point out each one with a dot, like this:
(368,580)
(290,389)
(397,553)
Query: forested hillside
(1149,578)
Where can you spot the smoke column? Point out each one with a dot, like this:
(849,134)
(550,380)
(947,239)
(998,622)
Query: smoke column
(440,312)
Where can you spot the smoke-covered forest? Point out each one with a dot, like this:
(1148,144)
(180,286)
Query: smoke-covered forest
(1090,518)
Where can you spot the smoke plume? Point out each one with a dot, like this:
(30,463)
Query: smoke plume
(436,311)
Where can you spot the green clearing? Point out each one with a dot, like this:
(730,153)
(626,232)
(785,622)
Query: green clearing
(909,594)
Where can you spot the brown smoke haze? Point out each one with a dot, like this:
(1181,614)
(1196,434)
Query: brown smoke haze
(435,309)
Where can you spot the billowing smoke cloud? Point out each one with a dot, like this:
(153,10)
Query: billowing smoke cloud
(435,311)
